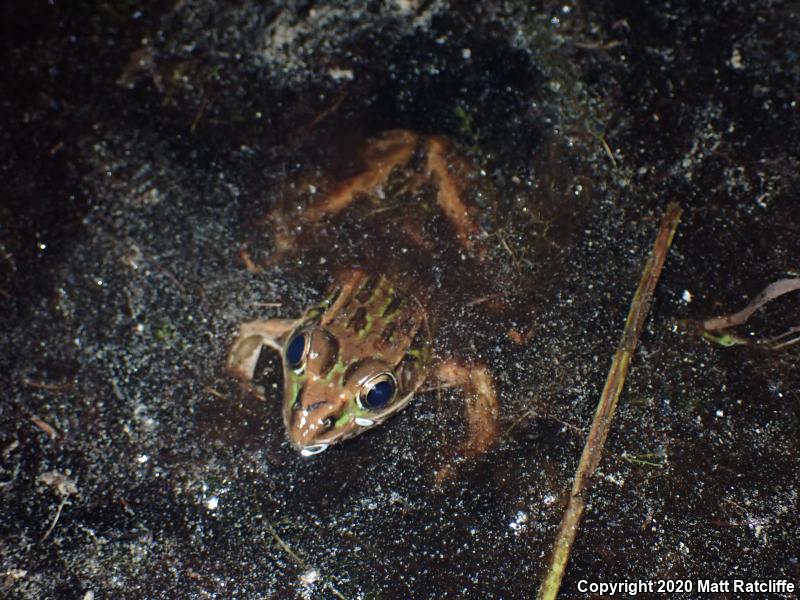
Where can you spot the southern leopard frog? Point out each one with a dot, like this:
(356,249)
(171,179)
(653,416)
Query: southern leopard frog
(359,357)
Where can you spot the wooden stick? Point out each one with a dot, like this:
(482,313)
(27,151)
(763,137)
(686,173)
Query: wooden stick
(593,449)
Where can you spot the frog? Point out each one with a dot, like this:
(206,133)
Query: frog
(367,349)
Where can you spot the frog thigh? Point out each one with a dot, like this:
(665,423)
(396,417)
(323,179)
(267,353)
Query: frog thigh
(244,352)
(482,406)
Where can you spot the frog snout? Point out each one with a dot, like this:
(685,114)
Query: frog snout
(311,423)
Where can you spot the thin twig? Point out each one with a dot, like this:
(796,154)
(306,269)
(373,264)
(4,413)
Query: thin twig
(215,393)
(505,245)
(768,294)
(607,148)
(45,426)
(55,520)
(599,45)
(593,449)
(299,561)
(50,387)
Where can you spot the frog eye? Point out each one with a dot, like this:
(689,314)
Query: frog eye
(377,391)
(296,350)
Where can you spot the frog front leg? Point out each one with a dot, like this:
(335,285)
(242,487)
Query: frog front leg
(253,335)
(482,409)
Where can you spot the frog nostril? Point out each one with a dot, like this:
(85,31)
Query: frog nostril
(321,416)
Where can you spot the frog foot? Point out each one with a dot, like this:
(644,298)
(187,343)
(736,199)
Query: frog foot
(253,335)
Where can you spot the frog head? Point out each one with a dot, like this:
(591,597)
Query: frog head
(333,391)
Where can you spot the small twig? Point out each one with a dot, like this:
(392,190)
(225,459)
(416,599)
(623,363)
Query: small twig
(46,427)
(598,45)
(299,561)
(51,387)
(641,459)
(514,260)
(485,299)
(607,148)
(168,274)
(64,487)
(778,343)
(55,520)
(285,547)
(200,112)
(337,102)
(768,294)
(214,393)
(249,263)
(595,441)
(531,413)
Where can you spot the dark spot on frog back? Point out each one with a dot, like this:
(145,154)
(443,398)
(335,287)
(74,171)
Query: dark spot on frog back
(358,321)
(394,305)
(366,290)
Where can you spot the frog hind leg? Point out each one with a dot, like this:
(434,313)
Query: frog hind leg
(381,155)
(448,194)
(253,335)
(482,411)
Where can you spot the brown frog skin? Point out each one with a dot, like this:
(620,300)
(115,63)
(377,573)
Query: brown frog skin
(359,357)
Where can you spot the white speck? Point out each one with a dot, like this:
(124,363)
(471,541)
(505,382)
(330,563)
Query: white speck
(687,296)
(99,282)
(466,53)
(736,59)
(720,413)
(518,524)
(142,458)
(312,189)
(548,499)
(42,246)
(362,422)
(89,595)
(341,74)
(309,577)
(212,503)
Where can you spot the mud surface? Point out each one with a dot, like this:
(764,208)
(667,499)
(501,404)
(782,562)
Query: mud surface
(142,148)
